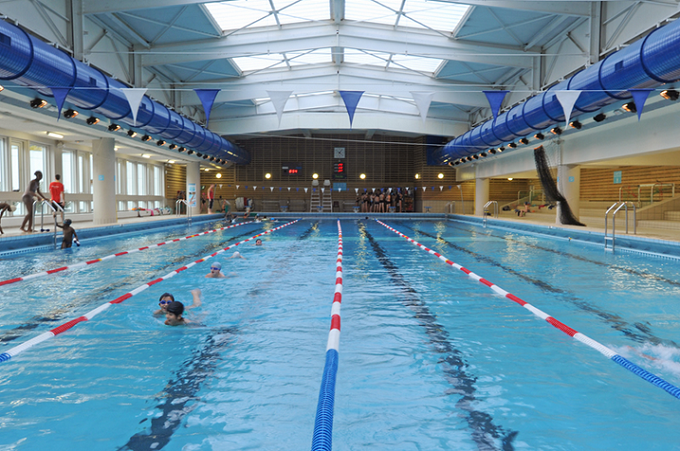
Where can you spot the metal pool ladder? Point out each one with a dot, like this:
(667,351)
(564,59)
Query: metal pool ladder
(616,207)
(485,210)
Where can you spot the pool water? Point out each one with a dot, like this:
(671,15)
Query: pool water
(430,359)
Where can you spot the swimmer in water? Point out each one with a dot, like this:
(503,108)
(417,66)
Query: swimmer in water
(175,309)
(163,302)
(236,254)
(258,242)
(215,271)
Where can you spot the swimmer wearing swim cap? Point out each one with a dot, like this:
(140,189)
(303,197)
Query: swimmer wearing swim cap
(236,254)
(163,302)
(215,271)
(174,310)
(69,234)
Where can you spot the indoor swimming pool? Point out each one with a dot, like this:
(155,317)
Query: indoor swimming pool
(429,359)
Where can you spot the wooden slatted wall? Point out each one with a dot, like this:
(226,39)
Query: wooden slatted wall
(598,184)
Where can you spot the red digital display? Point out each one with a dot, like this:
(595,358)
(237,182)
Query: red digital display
(292,171)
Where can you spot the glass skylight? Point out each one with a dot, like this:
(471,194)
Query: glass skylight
(236,14)
(441,16)
(416,63)
(250,63)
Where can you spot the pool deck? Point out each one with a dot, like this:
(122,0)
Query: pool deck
(651,240)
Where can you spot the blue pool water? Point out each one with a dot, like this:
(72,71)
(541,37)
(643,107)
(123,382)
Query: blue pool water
(429,358)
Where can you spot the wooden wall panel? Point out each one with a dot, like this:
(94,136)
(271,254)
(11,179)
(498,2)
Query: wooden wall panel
(598,184)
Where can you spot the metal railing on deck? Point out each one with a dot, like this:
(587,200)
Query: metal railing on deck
(178,210)
(49,204)
(616,207)
(486,212)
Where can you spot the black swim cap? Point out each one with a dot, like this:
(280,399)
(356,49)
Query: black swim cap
(175,307)
(67,222)
(166,295)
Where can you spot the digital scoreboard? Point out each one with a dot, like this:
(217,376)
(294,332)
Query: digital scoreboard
(292,169)
(339,170)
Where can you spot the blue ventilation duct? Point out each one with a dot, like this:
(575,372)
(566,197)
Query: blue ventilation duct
(648,63)
(30,62)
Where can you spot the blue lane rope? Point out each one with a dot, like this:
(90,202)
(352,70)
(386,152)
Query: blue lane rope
(323,425)
(646,375)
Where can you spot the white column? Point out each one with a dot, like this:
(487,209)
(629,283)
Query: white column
(481,195)
(194,186)
(104,185)
(569,184)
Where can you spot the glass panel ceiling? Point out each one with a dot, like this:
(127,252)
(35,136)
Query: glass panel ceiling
(435,15)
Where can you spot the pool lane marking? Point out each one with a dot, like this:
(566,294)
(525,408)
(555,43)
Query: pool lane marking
(118,254)
(604,350)
(323,425)
(5,356)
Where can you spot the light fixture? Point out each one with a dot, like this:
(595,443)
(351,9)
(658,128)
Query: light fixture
(160,143)
(509,178)
(600,117)
(70,113)
(146,155)
(206,169)
(145,138)
(132,133)
(539,135)
(483,154)
(492,151)
(92,120)
(218,175)
(114,127)
(171,161)
(315,176)
(670,94)
(362,176)
(630,107)
(212,158)
(267,175)
(205,157)
(199,154)
(512,145)
(556,131)
(417,176)
(440,176)
(172,146)
(181,149)
(501,149)
(575,124)
(189,152)
(54,135)
(524,141)
(2,88)
(38,103)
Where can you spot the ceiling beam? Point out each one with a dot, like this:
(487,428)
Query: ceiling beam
(370,37)
(568,7)
(111,6)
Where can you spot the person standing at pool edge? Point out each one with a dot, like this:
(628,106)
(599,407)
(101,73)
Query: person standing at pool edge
(57,196)
(32,191)
(211,198)
(3,208)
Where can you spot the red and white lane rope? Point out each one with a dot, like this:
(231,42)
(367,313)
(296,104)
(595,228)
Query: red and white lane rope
(88,316)
(109,257)
(323,425)
(604,350)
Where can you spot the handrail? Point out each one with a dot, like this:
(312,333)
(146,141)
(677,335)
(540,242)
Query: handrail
(42,217)
(495,210)
(618,206)
(177,209)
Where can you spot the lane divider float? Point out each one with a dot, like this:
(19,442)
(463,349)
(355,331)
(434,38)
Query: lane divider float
(323,425)
(5,356)
(604,350)
(109,257)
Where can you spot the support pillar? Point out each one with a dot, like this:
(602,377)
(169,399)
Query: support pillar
(103,180)
(194,187)
(569,184)
(481,195)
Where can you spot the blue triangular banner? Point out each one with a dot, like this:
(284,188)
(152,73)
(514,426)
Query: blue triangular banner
(351,99)
(207,97)
(640,97)
(495,99)
(60,97)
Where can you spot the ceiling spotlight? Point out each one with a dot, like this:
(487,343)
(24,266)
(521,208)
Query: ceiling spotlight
(524,141)
(600,117)
(181,149)
(483,154)
(131,133)
(2,88)
(575,124)
(160,142)
(114,127)
(492,151)
(556,131)
(630,107)
(38,103)
(512,145)
(144,138)
(172,146)
(205,157)
(212,158)
(70,113)
(189,152)
(476,157)
(501,149)
(55,135)
(670,94)
(539,135)
(92,120)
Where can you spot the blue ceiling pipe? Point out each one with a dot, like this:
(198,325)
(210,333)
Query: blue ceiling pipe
(648,63)
(29,62)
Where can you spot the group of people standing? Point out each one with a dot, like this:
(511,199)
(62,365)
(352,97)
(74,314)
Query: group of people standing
(380,201)
(57,203)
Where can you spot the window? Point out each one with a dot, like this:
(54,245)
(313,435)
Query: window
(67,171)
(131,177)
(141,179)
(158,181)
(14,164)
(120,177)
(36,155)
